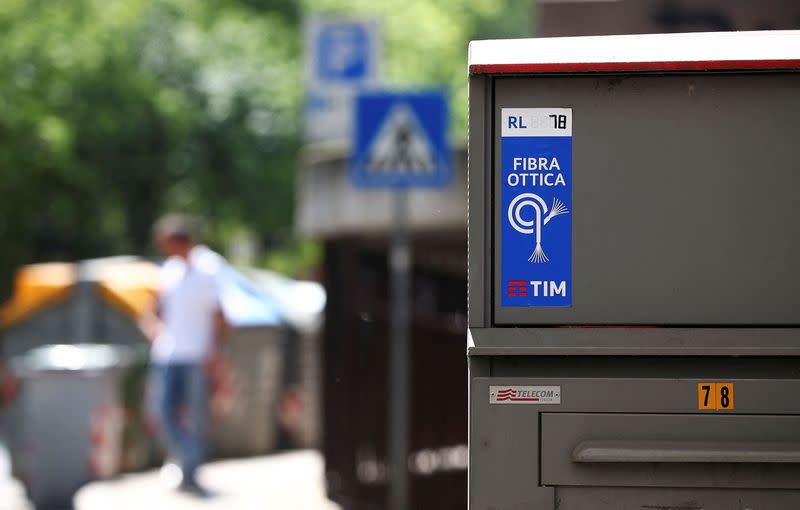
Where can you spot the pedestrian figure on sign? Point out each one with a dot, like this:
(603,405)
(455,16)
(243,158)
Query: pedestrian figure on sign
(401,147)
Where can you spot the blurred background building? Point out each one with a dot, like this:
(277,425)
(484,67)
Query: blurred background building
(607,17)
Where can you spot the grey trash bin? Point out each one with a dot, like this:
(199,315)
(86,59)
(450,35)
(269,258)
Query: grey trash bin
(67,421)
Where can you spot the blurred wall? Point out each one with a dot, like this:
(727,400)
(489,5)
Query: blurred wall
(570,17)
(328,205)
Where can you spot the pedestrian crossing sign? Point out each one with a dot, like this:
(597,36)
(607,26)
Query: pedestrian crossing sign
(401,140)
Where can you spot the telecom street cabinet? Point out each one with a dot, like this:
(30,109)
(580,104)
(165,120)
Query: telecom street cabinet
(634,272)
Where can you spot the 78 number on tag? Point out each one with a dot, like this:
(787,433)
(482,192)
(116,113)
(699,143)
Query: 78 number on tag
(559,121)
(715,396)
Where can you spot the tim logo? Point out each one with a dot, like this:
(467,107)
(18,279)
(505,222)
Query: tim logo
(517,288)
(536,288)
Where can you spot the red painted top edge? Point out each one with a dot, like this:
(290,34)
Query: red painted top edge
(585,67)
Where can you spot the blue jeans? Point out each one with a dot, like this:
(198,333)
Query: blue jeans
(180,400)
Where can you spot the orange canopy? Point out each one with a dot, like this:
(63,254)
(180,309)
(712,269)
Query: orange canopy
(37,286)
(129,285)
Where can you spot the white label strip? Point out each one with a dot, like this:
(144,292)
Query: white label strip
(524,394)
(536,122)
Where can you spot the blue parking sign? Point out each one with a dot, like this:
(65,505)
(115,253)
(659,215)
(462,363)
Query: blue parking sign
(343,52)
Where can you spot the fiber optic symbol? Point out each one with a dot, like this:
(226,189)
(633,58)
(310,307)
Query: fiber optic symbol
(534,226)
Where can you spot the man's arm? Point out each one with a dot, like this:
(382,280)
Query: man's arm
(213,363)
(222,328)
(150,322)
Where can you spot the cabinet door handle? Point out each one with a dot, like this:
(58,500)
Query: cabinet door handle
(687,451)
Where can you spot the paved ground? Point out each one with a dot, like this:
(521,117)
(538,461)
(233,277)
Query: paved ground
(287,481)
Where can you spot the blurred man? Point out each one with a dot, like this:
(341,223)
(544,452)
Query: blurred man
(185,328)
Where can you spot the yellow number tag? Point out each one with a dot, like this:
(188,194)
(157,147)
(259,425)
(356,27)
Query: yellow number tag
(715,396)
(706,396)
(724,396)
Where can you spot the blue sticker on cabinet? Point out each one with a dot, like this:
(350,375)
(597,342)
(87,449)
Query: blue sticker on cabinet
(536,207)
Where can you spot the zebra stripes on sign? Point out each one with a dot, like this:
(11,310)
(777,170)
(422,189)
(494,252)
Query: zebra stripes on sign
(401,146)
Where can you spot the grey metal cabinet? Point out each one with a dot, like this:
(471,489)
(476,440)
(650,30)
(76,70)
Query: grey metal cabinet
(667,375)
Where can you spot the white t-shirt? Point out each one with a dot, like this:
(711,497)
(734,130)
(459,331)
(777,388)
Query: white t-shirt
(189,299)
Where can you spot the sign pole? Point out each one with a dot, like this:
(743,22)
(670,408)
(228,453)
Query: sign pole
(400,265)
(401,144)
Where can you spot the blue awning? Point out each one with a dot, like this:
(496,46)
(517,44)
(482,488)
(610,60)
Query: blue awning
(244,304)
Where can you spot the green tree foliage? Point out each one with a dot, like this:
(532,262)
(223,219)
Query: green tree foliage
(114,111)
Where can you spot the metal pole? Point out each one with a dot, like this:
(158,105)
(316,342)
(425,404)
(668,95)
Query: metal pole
(400,265)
